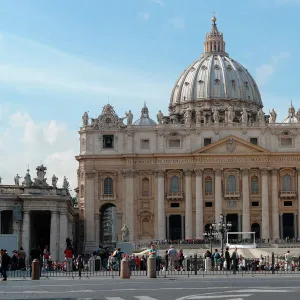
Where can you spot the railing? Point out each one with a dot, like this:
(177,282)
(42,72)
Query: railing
(108,197)
(174,195)
(145,194)
(19,190)
(232,194)
(288,194)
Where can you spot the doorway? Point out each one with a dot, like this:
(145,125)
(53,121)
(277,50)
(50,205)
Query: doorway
(108,224)
(40,229)
(255,227)
(175,228)
(234,220)
(288,225)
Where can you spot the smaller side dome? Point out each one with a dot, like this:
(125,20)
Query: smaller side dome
(144,119)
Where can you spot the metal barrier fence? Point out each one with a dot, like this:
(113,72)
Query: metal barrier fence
(191,266)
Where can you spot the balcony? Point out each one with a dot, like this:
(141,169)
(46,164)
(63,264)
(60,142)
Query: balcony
(108,197)
(288,194)
(146,194)
(232,195)
(208,194)
(173,196)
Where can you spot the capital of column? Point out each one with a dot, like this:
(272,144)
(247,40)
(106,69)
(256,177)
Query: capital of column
(245,172)
(188,172)
(274,171)
(198,172)
(90,174)
(128,173)
(26,211)
(218,172)
(298,171)
(62,213)
(159,173)
(264,171)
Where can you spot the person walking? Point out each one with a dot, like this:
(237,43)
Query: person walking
(5,262)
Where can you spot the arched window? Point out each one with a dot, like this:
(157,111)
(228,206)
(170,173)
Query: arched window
(231,184)
(174,185)
(145,186)
(208,184)
(108,186)
(287,183)
(254,185)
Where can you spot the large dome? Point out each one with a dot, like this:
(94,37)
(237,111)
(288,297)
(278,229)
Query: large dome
(215,78)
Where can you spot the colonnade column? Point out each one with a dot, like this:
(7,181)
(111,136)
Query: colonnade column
(218,194)
(161,216)
(53,235)
(246,202)
(89,223)
(295,225)
(188,205)
(265,205)
(298,192)
(199,205)
(275,219)
(97,230)
(63,234)
(26,231)
(129,203)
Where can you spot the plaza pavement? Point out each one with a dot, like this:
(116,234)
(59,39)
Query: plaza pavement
(176,288)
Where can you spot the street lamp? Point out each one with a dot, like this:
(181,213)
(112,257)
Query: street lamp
(223,228)
(210,234)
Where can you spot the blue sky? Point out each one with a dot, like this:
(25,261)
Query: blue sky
(61,58)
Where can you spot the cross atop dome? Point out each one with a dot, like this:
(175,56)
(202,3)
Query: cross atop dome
(214,39)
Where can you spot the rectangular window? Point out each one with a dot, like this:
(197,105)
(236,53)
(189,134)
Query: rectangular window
(253,140)
(175,205)
(208,204)
(145,144)
(207,141)
(108,141)
(288,203)
(174,143)
(286,142)
(255,203)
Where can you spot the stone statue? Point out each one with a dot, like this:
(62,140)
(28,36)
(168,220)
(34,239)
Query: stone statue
(273,116)
(85,119)
(226,116)
(66,184)
(230,114)
(160,116)
(297,116)
(54,181)
(125,233)
(27,179)
(129,117)
(95,123)
(17,180)
(40,180)
(261,116)
(244,116)
(216,116)
(198,116)
(188,116)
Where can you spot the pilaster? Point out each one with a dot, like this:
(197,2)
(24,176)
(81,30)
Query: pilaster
(63,234)
(275,220)
(218,193)
(26,231)
(53,236)
(246,201)
(188,205)
(265,204)
(199,205)
(161,221)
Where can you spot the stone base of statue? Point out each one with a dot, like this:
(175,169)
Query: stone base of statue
(126,247)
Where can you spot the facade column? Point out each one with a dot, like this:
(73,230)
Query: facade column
(161,216)
(246,203)
(70,229)
(218,194)
(90,243)
(26,231)
(182,226)
(97,229)
(129,203)
(275,220)
(188,205)
(199,205)
(281,225)
(298,193)
(295,225)
(17,231)
(53,236)
(265,222)
(63,234)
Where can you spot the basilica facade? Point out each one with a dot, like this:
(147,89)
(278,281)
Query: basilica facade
(216,152)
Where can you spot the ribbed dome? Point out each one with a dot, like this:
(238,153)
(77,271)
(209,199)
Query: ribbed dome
(215,76)
(144,119)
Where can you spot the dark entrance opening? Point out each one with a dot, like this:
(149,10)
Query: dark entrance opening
(40,229)
(255,227)
(234,220)
(288,225)
(7,222)
(108,224)
(175,232)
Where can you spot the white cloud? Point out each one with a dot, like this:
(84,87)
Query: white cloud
(159,2)
(177,22)
(23,142)
(265,71)
(145,16)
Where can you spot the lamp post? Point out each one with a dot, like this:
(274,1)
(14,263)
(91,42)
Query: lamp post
(210,234)
(223,228)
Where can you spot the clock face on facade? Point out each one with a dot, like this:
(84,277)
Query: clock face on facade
(108,120)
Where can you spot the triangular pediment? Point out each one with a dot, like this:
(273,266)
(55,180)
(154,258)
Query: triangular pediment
(231,145)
